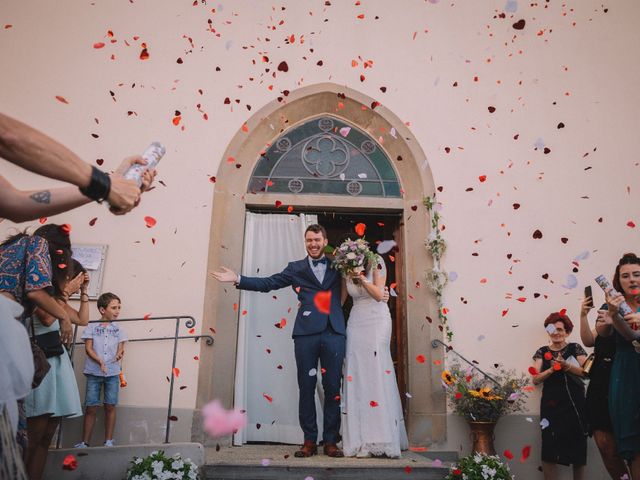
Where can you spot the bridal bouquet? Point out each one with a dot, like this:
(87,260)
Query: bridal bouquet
(352,257)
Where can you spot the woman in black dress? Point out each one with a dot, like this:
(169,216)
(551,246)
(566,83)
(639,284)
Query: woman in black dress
(598,418)
(564,427)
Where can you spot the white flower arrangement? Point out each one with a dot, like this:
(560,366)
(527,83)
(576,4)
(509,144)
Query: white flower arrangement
(157,466)
(436,278)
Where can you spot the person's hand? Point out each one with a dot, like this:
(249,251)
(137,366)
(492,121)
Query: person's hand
(124,194)
(119,356)
(147,179)
(74,284)
(66,331)
(103,367)
(225,275)
(559,360)
(586,306)
(614,302)
(385,294)
(604,318)
(85,282)
(633,320)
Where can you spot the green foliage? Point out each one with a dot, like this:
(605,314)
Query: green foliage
(479,466)
(158,466)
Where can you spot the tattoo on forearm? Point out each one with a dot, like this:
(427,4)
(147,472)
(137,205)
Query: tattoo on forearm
(41,197)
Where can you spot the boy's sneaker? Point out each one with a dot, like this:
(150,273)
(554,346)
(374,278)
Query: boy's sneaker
(81,445)
(108,443)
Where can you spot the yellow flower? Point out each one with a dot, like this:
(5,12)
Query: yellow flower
(446,377)
(475,393)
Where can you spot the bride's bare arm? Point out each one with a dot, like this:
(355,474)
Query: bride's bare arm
(343,291)
(375,289)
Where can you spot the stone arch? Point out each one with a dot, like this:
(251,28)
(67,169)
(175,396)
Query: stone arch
(426,414)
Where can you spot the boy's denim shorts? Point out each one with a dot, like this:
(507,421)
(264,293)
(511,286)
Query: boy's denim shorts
(94,385)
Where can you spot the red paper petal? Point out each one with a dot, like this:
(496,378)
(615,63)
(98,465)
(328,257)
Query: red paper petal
(61,99)
(69,463)
(360,228)
(322,301)
(98,45)
(150,221)
(373,403)
(420,359)
(269,399)
(507,453)
(526,451)
(176,372)
(533,371)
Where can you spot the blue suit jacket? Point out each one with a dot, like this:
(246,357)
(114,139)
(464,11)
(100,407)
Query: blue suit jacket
(301,278)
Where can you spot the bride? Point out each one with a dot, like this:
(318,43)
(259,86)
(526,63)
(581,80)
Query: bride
(373,424)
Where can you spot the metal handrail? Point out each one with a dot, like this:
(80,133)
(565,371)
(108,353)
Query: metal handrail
(436,342)
(189,323)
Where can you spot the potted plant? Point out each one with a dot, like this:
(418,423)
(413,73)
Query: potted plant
(479,466)
(483,399)
(158,466)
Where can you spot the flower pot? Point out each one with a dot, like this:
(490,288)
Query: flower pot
(482,437)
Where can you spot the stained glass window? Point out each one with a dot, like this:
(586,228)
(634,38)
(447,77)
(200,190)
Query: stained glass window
(325,156)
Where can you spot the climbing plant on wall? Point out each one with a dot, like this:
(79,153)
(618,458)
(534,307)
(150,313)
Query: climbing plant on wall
(436,277)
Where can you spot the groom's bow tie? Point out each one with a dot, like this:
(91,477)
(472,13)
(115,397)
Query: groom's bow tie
(322,260)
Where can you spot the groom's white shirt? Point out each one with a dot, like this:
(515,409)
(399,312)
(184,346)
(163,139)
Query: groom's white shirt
(319,270)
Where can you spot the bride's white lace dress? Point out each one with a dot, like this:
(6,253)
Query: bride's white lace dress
(372,421)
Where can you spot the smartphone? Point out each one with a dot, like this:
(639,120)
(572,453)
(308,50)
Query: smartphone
(588,293)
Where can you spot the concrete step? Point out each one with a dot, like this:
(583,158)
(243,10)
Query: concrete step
(276,462)
(102,463)
(242,472)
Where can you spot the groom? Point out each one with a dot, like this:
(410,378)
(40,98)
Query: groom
(318,333)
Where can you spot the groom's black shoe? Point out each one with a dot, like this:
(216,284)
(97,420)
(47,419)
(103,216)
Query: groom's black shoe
(308,449)
(331,450)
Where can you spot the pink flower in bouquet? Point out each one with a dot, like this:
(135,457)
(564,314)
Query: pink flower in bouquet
(219,422)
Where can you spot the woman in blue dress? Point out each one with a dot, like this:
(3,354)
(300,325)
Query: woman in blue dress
(624,389)
(57,396)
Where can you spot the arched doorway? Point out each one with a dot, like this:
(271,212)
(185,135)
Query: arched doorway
(238,190)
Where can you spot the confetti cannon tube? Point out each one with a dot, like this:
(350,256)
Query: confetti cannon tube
(601,280)
(152,155)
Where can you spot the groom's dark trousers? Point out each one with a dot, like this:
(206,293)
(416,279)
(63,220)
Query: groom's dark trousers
(318,334)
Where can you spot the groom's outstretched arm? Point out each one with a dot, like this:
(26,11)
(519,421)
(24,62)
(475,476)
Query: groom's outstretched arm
(258,284)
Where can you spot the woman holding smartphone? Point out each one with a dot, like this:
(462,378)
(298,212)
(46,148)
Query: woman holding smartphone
(597,403)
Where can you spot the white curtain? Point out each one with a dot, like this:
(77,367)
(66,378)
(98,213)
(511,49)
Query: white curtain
(266,380)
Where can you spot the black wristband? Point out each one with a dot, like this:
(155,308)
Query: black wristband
(99,186)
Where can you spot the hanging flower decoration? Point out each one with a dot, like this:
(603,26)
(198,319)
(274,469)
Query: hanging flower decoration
(436,278)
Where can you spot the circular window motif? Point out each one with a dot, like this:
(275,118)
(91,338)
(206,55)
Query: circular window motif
(295,185)
(354,188)
(325,124)
(368,147)
(284,144)
(325,156)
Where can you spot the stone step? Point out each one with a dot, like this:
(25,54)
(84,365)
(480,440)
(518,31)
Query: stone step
(276,462)
(244,472)
(102,463)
